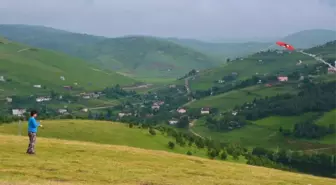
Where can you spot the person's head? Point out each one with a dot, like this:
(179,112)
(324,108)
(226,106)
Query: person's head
(33,113)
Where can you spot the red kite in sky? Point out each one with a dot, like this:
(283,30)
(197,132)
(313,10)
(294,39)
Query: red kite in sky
(285,45)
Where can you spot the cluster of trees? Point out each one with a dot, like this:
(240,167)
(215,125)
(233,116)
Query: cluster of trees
(226,123)
(117,92)
(308,129)
(214,149)
(193,72)
(316,163)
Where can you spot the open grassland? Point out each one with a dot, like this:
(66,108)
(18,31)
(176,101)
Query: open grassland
(238,97)
(74,163)
(103,132)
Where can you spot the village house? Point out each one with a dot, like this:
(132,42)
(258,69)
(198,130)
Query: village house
(221,81)
(62,111)
(122,114)
(67,87)
(205,110)
(282,78)
(181,110)
(268,85)
(37,86)
(2,79)
(331,70)
(155,107)
(9,100)
(172,86)
(173,122)
(18,112)
(42,99)
(85,110)
(234,113)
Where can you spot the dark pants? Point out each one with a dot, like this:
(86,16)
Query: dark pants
(32,140)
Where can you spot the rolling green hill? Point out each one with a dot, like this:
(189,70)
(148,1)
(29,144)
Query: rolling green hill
(310,38)
(74,163)
(269,62)
(23,66)
(222,50)
(138,56)
(103,132)
(265,133)
(303,39)
(229,100)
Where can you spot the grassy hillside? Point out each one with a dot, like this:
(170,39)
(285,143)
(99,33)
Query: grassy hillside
(265,133)
(103,132)
(238,97)
(310,38)
(71,163)
(23,66)
(303,39)
(138,55)
(223,50)
(135,56)
(259,63)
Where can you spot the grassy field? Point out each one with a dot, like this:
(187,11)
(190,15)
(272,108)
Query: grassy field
(23,67)
(238,97)
(74,163)
(265,133)
(103,132)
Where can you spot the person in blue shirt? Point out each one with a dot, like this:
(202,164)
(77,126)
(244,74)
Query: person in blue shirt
(32,130)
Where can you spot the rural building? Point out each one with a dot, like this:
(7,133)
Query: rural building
(331,70)
(268,85)
(234,113)
(37,86)
(172,86)
(282,78)
(67,87)
(173,122)
(42,99)
(62,111)
(18,112)
(9,100)
(85,110)
(205,110)
(155,107)
(221,81)
(181,110)
(122,114)
(2,79)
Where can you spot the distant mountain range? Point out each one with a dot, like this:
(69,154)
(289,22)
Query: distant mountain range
(303,39)
(150,57)
(138,56)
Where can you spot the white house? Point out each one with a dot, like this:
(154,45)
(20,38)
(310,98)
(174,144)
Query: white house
(2,79)
(85,110)
(62,111)
(173,122)
(9,100)
(234,113)
(18,112)
(37,86)
(205,110)
(155,107)
(42,99)
(122,114)
(181,110)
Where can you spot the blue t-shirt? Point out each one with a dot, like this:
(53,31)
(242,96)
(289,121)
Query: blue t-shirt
(32,125)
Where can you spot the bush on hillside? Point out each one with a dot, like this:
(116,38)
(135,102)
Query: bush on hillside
(152,131)
(223,155)
(171,145)
(189,153)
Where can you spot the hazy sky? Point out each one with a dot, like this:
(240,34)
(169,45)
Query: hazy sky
(181,18)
